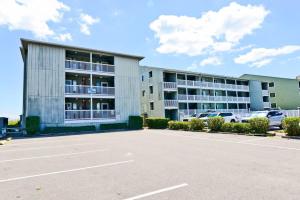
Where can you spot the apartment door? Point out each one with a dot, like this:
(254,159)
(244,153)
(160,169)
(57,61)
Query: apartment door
(104,106)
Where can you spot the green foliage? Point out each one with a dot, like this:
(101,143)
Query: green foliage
(176,125)
(69,129)
(196,125)
(33,125)
(259,125)
(227,127)
(13,123)
(241,128)
(292,126)
(157,123)
(135,122)
(215,123)
(113,126)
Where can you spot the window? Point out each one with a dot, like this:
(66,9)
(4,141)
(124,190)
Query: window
(150,74)
(151,89)
(271,84)
(142,78)
(273,105)
(143,93)
(225,114)
(151,106)
(272,94)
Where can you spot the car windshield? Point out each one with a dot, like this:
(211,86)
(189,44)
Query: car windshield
(203,115)
(259,114)
(212,115)
(194,115)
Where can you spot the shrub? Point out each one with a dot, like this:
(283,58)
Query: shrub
(241,128)
(227,127)
(215,123)
(135,122)
(291,126)
(197,125)
(259,125)
(33,125)
(157,123)
(113,126)
(176,125)
(69,129)
(13,123)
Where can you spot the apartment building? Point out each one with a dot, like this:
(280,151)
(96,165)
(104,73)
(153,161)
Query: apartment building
(68,85)
(175,93)
(276,92)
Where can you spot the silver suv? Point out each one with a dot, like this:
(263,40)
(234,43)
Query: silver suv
(275,117)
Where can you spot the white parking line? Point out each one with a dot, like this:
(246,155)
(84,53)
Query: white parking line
(157,191)
(252,140)
(52,156)
(233,142)
(55,146)
(66,171)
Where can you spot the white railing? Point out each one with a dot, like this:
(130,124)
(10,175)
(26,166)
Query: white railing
(77,89)
(267,104)
(183,97)
(77,65)
(291,113)
(265,92)
(171,103)
(103,68)
(211,85)
(104,114)
(104,91)
(77,114)
(181,82)
(170,85)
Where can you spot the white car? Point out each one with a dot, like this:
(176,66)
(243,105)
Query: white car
(228,116)
(275,117)
(195,116)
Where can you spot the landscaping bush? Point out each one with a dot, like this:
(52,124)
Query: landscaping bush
(241,128)
(292,126)
(215,123)
(13,123)
(157,123)
(176,125)
(227,127)
(33,125)
(114,126)
(197,125)
(68,129)
(135,122)
(259,125)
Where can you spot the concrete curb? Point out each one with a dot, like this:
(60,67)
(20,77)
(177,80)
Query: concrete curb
(291,137)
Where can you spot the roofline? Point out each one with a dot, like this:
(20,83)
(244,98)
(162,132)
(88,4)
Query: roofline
(25,43)
(268,76)
(193,73)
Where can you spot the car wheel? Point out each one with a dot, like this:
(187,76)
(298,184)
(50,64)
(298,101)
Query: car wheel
(232,121)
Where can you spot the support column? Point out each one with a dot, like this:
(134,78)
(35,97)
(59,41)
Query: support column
(91,84)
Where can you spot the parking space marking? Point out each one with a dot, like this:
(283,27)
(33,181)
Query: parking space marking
(67,171)
(52,156)
(235,142)
(252,140)
(37,148)
(157,191)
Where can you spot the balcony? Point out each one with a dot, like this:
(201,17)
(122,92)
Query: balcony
(267,104)
(104,114)
(265,92)
(77,65)
(189,112)
(90,115)
(170,86)
(81,66)
(103,68)
(88,90)
(211,85)
(206,98)
(171,104)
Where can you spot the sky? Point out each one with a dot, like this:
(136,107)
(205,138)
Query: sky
(211,36)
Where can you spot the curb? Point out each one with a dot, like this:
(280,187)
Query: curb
(291,137)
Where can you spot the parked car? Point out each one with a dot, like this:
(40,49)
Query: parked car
(195,116)
(228,116)
(275,117)
(3,133)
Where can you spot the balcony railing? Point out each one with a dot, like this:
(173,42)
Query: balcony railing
(104,114)
(183,97)
(103,68)
(170,85)
(211,85)
(77,65)
(266,104)
(86,89)
(189,112)
(171,103)
(265,92)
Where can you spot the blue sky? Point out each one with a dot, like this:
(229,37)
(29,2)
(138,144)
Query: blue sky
(210,36)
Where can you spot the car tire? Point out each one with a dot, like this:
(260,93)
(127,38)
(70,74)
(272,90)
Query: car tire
(232,121)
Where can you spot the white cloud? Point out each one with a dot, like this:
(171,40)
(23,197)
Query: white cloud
(259,57)
(63,37)
(85,22)
(32,15)
(214,31)
(211,61)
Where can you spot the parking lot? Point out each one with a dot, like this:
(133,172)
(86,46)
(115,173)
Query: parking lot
(150,164)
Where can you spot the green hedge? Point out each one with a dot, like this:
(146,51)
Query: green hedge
(157,123)
(215,123)
(176,125)
(292,126)
(259,125)
(197,125)
(227,127)
(241,128)
(33,125)
(113,126)
(135,122)
(68,129)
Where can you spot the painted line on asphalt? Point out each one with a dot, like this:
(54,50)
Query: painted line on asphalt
(252,140)
(234,142)
(55,146)
(157,191)
(66,171)
(52,156)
